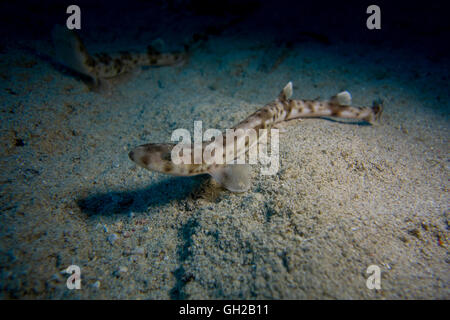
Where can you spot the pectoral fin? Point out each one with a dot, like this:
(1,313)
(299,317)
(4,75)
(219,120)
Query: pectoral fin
(234,177)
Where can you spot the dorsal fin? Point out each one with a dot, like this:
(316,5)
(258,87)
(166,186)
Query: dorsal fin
(286,93)
(343,98)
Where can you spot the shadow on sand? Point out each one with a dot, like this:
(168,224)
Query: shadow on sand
(139,200)
(163,192)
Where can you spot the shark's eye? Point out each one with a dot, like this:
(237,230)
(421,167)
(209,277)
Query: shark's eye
(166,156)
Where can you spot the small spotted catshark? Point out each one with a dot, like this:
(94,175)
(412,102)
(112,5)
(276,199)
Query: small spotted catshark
(236,177)
(71,52)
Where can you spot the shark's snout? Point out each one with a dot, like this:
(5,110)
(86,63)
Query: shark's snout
(131,155)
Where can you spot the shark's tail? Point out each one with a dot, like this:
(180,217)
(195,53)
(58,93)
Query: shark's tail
(377,108)
(71,52)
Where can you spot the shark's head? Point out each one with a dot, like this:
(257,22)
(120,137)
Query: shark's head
(154,157)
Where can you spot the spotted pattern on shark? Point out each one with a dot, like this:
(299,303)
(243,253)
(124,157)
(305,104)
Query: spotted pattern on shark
(72,53)
(235,177)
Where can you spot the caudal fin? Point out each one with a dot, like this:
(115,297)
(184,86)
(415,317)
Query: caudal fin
(377,108)
(71,52)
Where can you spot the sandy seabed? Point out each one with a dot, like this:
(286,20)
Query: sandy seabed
(347,195)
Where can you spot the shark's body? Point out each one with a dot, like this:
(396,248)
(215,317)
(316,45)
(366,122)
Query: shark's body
(71,52)
(158,157)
